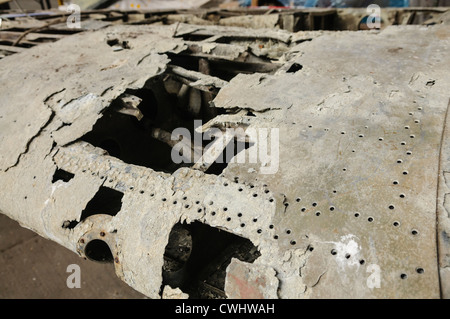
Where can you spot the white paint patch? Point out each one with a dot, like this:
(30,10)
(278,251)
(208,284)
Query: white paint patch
(347,251)
(55,186)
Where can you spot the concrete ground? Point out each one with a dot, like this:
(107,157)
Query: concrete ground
(33,267)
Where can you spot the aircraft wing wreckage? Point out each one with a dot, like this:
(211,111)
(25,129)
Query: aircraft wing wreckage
(335,175)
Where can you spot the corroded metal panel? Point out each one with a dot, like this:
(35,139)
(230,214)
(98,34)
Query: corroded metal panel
(345,206)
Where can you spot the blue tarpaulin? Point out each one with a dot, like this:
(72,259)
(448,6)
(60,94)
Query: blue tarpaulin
(326,3)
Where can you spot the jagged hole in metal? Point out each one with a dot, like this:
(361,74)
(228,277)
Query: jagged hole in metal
(197,256)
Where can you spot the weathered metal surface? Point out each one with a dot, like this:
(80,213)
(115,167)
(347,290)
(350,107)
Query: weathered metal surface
(360,185)
(247,281)
(443,211)
(366,133)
